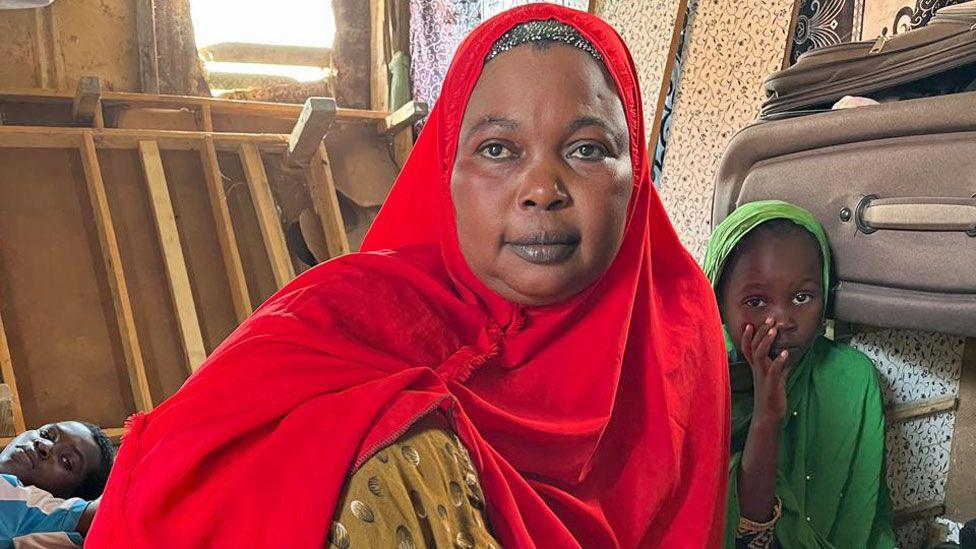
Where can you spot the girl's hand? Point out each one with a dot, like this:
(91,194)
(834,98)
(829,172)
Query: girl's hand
(768,374)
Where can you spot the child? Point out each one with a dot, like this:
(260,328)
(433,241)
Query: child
(51,480)
(808,456)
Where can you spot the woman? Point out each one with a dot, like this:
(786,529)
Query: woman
(807,420)
(521,289)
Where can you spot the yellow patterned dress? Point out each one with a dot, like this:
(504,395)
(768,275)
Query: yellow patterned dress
(421,491)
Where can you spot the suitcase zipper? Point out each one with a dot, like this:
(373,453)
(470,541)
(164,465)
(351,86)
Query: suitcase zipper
(879,44)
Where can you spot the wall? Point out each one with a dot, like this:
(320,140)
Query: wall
(71,38)
(730,47)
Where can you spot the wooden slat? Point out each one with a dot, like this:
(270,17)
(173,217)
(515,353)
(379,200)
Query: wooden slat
(264,206)
(148,55)
(225,231)
(116,276)
(316,119)
(920,408)
(243,52)
(41,57)
(113,433)
(379,57)
(662,95)
(169,243)
(7,369)
(86,100)
(404,117)
(111,138)
(206,118)
(7,427)
(326,203)
(55,49)
(219,106)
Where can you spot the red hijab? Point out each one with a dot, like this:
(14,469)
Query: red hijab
(602,421)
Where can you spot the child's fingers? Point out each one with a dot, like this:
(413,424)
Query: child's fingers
(746,342)
(779,363)
(764,344)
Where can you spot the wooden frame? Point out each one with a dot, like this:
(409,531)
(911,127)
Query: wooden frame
(680,19)
(148,147)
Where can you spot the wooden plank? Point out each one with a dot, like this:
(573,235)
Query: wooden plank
(86,100)
(662,95)
(379,58)
(41,57)
(148,58)
(206,119)
(403,118)
(312,126)
(218,106)
(264,206)
(10,380)
(57,57)
(920,408)
(326,203)
(7,428)
(169,243)
(113,433)
(116,276)
(225,231)
(110,138)
(242,52)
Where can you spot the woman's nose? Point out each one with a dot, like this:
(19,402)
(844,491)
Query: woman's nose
(543,190)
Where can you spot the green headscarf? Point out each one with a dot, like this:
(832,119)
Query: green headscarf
(831,463)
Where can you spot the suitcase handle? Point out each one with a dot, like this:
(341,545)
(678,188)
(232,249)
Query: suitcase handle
(916,214)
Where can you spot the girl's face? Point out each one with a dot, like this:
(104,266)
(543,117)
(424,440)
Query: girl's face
(778,277)
(542,178)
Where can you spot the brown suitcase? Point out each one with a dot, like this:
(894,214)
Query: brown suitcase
(938,59)
(894,184)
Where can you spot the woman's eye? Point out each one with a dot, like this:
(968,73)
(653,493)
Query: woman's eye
(496,151)
(588,152)
(754,302)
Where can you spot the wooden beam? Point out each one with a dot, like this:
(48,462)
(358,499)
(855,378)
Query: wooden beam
(148,54)
(218,106)
(87,100)
(225,231)
(44,137)
(403,118)
(7,427)
(326,203)
(41,57)
(379,58)
(264,206)
(169,243)
(242,52)
(662,95)
(113,433)
(317,117)
(206,119)
(920,408)
(7,369)
(112,258)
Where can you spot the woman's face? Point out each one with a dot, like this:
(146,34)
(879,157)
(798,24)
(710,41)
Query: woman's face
(543,177)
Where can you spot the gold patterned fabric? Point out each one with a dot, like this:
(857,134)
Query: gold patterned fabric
(421,491)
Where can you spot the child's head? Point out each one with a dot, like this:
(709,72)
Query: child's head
(768,263)
(67,459)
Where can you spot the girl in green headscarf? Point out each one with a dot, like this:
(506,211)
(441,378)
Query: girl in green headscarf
(807,467)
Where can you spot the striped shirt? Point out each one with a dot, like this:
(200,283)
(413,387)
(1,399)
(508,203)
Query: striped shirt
(33,518)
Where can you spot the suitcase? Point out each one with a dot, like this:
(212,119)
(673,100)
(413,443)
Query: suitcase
(893,184)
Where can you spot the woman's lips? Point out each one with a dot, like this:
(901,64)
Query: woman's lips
(545,248)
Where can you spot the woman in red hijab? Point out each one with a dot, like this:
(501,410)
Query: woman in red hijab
(521,289)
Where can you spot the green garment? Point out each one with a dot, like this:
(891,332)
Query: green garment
(831,470)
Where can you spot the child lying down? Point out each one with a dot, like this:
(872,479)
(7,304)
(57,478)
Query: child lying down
(51,480)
